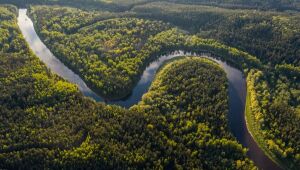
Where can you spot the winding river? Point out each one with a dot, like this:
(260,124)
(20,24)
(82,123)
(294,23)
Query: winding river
(237,88)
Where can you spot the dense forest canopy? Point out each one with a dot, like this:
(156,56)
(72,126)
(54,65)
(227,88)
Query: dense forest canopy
(120,51)
(125,46)
(182,121)
(259,4)
(47,123)
(275,61)
(274,37)
(277,34)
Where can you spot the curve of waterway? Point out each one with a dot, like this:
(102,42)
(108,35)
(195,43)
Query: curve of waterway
(237,87)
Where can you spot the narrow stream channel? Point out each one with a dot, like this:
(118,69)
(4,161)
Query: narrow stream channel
(237,88)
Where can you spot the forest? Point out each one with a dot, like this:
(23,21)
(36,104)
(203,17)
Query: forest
(113,66)
(47,123)
(249,4)
(276,123)
(182,121)
(124,5)
(119,51)
(281,66)
(277,34)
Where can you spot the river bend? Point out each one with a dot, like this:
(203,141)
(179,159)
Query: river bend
(237,87)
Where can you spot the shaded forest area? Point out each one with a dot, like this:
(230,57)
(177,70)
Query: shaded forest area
(273,37)
(123,5)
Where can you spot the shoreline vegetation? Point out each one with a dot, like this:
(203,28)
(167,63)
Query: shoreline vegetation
(254,131)
(192,76)
(254,116)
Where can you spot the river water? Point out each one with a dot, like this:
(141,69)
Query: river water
(237,87)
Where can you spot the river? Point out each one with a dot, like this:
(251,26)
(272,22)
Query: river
(237,87)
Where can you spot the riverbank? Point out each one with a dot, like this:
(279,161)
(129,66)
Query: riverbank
(254,130)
